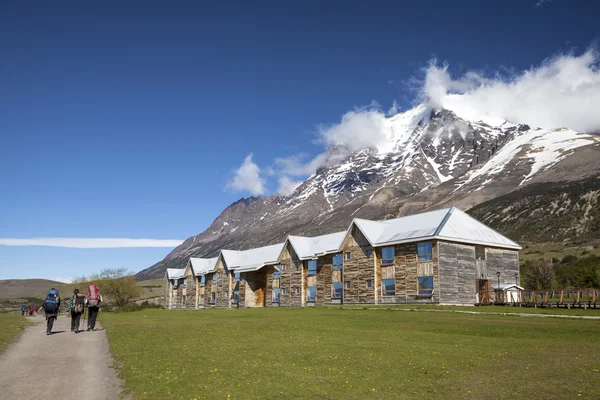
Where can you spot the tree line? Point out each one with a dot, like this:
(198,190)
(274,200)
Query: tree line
(554,273)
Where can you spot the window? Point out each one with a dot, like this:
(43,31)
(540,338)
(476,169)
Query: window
(369,283)
(202,280)
(175,283)
(243,281)
(348,255)
(337,262)
(336,290)
(369,252)
(297,290)
(425,251)
(347,284)
(218,274)
(202,299)
(184,283)
(298,264)
(388,287)
(226,294)
(312,267)
(387,255)
(283,267)
(236,296)
(237,276)
(283,290)
(214,279)
(312,293)
(275,295)
(213,297)
(425,285)
(276,275)
(480,253)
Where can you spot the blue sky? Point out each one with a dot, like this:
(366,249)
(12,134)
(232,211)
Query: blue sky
(130,120)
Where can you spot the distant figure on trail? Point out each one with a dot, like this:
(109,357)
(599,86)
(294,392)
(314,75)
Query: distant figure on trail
(31,310)
(23,309)
(76,307)
(51,306)
(94,300)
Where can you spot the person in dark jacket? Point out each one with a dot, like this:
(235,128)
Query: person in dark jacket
(76,307)
(51,309)
(93,314)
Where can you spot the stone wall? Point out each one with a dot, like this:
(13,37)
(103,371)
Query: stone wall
(208,289)
(324,271)
(405,270)
(358,270)
(291,279)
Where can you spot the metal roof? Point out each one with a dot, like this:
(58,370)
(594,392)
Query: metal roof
(311,247)
(252,259)
(201,266)
(447,224)
(175,273)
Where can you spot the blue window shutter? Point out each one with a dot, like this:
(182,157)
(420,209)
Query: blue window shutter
(425,251)
(276,295)
(312,293)
(337,290)
(387,255)
(337,262)
(312,267)
(276,275)
(388,287)
(237,276)
(203,280)
(298,264)
(214,279)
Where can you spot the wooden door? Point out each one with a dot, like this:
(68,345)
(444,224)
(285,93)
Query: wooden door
(483,288)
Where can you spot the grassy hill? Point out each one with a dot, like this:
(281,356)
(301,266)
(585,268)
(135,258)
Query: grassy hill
(24,288)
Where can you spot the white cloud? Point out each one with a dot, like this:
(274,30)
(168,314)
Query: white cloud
(564,91)
(90,243)
(358,129)
(287,186)
(247,178)
(541,3)
(299,164)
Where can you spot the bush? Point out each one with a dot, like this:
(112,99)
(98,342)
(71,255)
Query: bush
(539,274)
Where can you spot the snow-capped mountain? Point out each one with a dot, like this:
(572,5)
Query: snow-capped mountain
(427,159)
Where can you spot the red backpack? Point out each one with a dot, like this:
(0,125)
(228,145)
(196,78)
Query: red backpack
(93,296)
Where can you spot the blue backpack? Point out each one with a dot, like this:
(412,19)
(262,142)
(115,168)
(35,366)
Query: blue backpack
(51,303)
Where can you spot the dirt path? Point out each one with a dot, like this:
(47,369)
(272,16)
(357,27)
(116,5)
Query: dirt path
(63,365)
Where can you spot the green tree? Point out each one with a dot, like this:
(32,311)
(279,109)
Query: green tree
(539,274)
(121,291)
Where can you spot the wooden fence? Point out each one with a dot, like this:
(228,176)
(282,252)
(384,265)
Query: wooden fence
(561,298)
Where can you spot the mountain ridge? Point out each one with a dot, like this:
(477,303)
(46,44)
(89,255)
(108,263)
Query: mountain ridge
(429,159)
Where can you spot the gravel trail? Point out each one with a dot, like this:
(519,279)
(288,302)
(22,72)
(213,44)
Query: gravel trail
(63,365)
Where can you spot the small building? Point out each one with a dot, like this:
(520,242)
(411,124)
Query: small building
(513,294)
(196,271)
(308,269)
(442,257)
(176,285)
(252,275)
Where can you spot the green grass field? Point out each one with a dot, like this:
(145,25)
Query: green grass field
(11,325)
(352,354)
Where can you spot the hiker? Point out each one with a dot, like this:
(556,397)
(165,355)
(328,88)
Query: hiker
(31,310)
(51,306)
(23,309)
(93,302)
(76,307)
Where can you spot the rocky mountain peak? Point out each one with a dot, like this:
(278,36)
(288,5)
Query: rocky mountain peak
(429,159)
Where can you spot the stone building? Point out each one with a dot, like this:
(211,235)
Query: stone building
(175,287)
(439,257)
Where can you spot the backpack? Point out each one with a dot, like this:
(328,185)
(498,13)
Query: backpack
(93,296)
(78,303)
(51,302)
